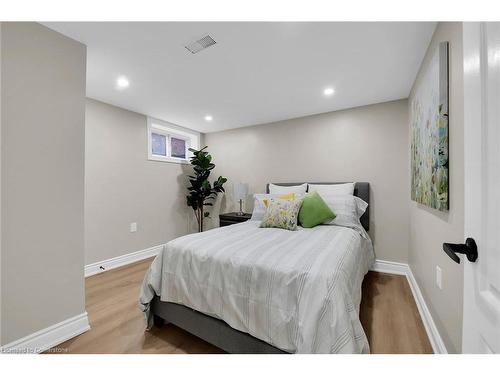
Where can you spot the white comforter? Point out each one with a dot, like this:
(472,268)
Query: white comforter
(297,290)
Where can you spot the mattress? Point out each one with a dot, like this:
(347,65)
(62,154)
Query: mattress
(299,291)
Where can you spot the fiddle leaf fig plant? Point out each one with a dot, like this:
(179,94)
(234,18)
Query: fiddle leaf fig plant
(201,192)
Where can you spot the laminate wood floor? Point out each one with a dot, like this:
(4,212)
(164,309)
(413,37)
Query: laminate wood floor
(388,313)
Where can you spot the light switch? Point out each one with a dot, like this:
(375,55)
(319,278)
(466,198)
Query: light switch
(133,227)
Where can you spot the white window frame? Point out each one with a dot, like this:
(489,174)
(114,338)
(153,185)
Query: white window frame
(169,130)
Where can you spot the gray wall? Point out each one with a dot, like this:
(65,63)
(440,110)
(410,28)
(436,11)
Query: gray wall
(43,113)
(122,186)
(430,228)
(361,144)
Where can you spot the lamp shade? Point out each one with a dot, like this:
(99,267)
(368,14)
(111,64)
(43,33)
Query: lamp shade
(240,191)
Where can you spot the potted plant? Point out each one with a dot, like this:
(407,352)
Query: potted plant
(202,192)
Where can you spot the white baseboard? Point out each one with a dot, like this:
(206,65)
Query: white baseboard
(430,327)
(432,331)
(393,268)
(123,260)
(49,337)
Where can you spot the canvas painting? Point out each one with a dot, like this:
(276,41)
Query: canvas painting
(429,134)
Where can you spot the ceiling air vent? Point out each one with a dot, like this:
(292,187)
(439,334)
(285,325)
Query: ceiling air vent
(201,44)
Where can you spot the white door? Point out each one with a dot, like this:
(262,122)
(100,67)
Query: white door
(481,325)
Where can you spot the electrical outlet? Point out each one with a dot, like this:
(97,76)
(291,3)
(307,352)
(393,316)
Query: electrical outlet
(133,227)
(439,277)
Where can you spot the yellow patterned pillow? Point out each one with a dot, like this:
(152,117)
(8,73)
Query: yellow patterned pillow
(286,197)
(281,214)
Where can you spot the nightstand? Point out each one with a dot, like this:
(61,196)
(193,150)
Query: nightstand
(232,218)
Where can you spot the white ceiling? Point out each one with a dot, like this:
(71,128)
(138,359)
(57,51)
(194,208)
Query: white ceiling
(256,73)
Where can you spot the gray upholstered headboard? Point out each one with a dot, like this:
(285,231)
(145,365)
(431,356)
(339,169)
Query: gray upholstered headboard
(361,189)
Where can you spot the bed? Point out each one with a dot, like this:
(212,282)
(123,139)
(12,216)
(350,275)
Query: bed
(247,289)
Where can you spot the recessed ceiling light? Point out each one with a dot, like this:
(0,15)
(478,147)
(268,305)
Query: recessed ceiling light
(122,82)
(328,91)
(208,118)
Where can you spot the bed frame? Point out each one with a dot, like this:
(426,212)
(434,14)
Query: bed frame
(218,332)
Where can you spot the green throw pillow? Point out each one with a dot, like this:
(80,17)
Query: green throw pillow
(314,211)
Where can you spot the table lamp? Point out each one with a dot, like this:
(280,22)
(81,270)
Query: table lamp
(240,193)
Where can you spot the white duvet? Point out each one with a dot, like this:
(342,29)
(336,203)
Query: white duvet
(297,290)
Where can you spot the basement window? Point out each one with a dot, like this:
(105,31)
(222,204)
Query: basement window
(170,143)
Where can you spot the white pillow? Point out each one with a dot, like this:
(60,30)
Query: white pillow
(258,205)
(348,210)
(338,189)
(297,189)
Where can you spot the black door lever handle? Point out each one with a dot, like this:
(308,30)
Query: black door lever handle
(469,249)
